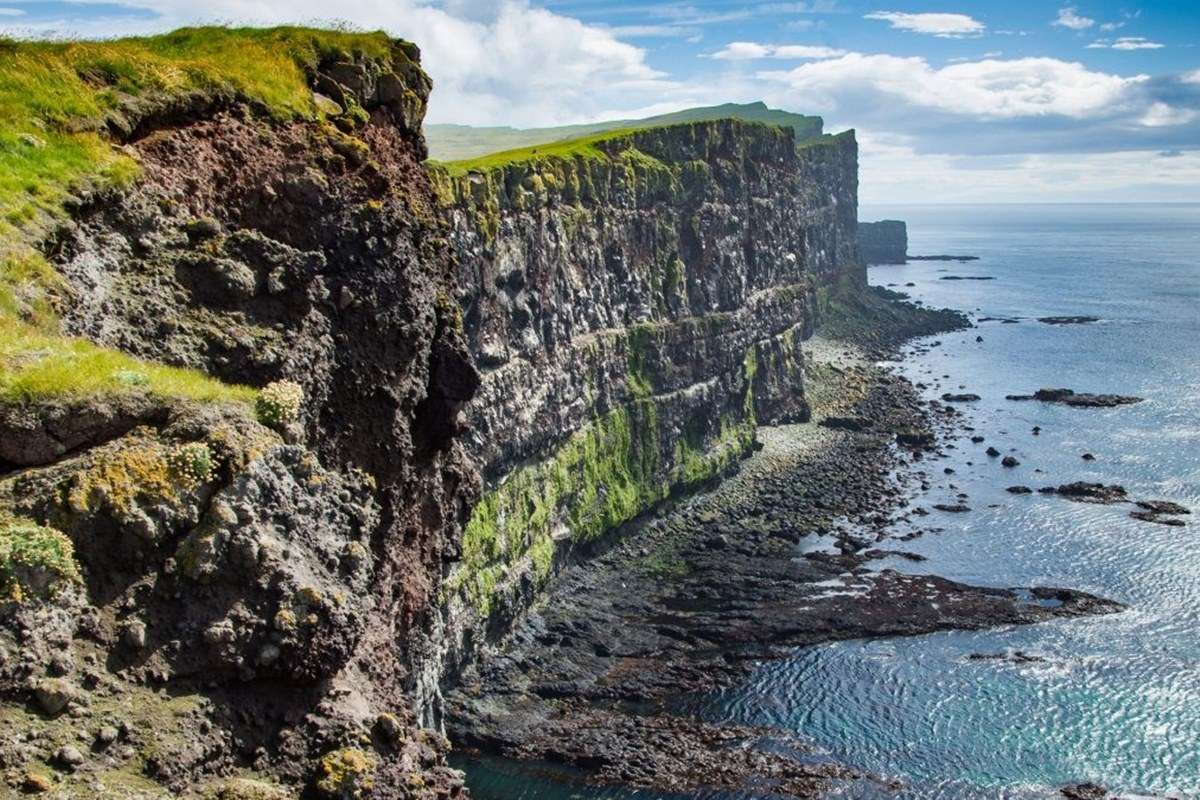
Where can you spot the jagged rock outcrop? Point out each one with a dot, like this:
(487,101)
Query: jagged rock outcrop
(883,242)
(637,305)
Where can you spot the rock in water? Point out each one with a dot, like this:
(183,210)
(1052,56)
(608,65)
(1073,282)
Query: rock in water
(1069,397)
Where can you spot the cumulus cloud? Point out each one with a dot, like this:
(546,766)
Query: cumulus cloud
(993,106)
(744,51)
(1161,115)
(988,88)
(1126,43)
(946,26)
(1069,17)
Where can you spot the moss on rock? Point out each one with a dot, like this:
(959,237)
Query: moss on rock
(35,561)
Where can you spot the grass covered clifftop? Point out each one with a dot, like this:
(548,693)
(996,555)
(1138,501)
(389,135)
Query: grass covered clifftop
(460,142)
(66,111)
(646,163)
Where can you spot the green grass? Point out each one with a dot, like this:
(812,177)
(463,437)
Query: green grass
(57,100)
(462,142)
(36,366)
(585,147)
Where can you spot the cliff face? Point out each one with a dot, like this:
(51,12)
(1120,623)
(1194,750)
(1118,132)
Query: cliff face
(494,368)
(883,242)
(636,305)
(270,572)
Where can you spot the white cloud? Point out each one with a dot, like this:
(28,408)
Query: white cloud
(946,26)
(1161,115)
(11,12)
(1126,43)
(1135,43)
(1026,87)
(744,51)
(1069,18)
(964,59)
(665,31)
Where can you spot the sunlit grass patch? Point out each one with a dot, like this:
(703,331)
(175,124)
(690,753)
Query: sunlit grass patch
(35,367)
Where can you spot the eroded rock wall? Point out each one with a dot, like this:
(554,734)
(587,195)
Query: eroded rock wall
(285,590)
(636,308)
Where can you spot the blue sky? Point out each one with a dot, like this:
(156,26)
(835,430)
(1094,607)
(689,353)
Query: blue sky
(952,101)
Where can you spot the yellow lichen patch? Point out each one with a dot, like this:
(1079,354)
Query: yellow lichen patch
(36,782)
(309,596)
(347,774)
(121,479)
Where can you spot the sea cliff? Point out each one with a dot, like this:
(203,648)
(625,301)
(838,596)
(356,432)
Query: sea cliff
(883,242)
(294,423)
(637,304)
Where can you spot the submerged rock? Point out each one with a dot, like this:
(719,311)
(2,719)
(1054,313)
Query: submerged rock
(1068,320)
(1069,397)
(1085,492)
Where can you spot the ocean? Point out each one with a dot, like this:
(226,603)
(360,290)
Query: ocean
(1114,699)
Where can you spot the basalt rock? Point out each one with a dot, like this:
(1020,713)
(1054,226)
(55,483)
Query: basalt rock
(1069,397)
(883,242)
(636,311)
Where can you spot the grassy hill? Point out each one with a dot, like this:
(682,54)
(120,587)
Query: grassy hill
(460,142)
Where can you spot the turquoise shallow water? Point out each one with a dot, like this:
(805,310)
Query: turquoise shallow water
(1112,699)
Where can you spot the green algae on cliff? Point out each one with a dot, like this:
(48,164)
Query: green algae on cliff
(606,474)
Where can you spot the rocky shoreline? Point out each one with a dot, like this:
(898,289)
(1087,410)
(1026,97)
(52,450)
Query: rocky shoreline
(790,551)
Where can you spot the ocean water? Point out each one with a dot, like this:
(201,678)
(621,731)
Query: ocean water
(1113,699)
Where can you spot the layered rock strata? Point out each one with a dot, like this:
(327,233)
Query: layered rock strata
(636,306)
